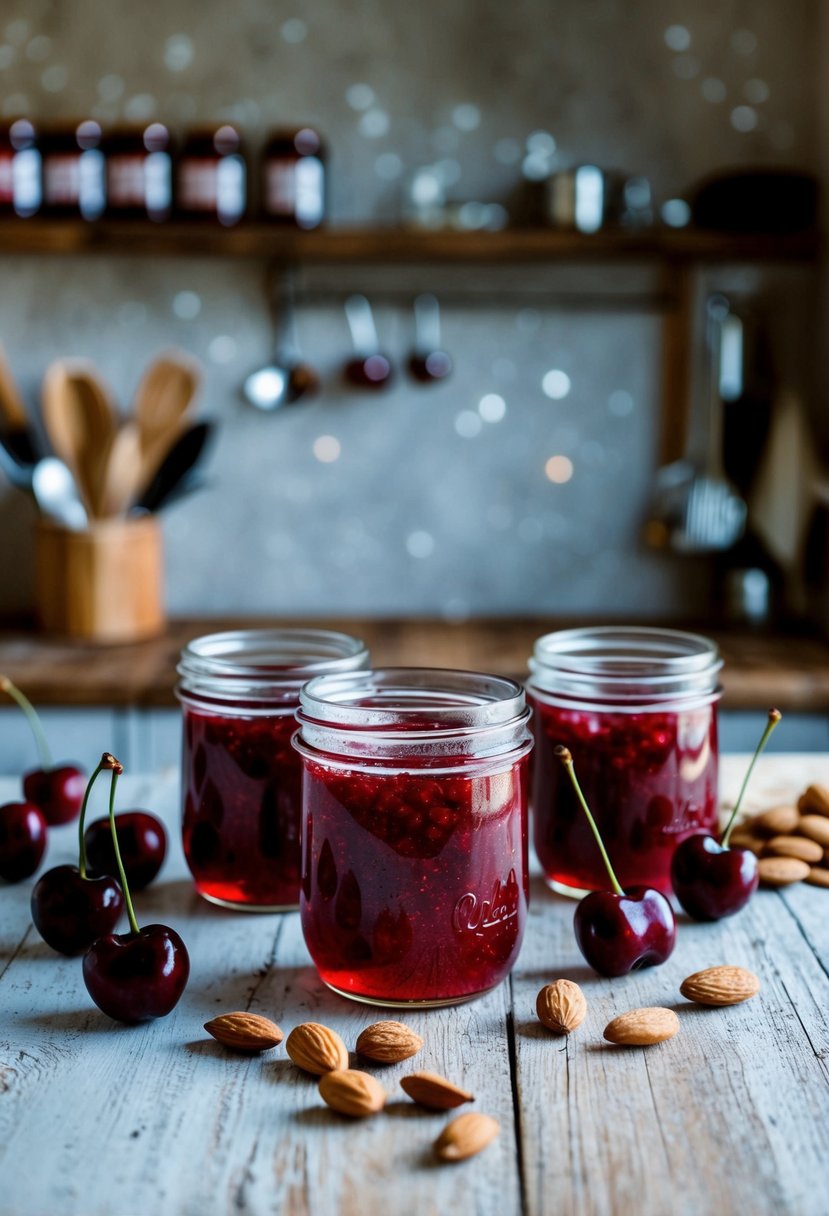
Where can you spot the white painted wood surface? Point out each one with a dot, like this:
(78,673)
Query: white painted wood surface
(732,1116)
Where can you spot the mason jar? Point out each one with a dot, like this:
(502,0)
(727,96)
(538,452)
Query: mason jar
(414,832)
(637,708)
(240,776)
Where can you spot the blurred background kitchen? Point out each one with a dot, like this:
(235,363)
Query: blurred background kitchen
(526,481)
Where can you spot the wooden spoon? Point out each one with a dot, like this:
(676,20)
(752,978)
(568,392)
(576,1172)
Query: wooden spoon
(164,398)
(81,424)
(124,473)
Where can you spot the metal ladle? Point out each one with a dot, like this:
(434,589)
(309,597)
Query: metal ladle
(287,377)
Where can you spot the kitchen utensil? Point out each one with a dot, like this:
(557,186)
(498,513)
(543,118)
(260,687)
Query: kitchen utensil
(125,472)
(746,387)
(714,514)
(427,362)
(17,471)
(369,368)
(287,377)
(18,434)
(81,424)
(56,494)
(178,462)
(164,398)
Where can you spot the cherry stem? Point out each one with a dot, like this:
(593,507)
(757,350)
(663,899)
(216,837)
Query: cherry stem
(31,714)
(108,761)
(81,845)
(567,760)
(774,717)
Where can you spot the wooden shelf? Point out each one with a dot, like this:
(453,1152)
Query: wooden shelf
(354,245)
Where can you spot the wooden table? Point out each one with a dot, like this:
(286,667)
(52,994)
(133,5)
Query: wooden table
(732,1116)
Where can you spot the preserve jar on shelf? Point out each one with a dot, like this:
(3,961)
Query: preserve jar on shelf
(74,180)
(139,172)
(414,832)
(637,708)
(293,178)
(20,169)
(240,776)
(211,176)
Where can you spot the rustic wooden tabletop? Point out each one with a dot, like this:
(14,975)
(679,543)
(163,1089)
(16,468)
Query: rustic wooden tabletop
(731,1116)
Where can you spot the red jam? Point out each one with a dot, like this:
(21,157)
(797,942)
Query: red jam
(242,808)
(414,886)
(650,779)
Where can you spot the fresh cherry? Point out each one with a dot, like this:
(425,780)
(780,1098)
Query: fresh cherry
(710,879)
(140,975)
(143,843)
(70,908)
(22,840)
(620,931)
(56,789)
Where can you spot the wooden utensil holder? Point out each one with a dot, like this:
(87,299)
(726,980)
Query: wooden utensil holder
(104,584)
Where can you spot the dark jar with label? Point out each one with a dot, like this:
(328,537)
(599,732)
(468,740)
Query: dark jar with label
(293,178)
(139,172)
(20,175)
(73,171)
(211,176)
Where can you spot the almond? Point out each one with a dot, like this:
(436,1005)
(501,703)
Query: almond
(720,986)
(742,838)
(818,877)
(816,827)
(389,1042)
(316,1048)
(352,1092)
(797,846)
(465,1136)
(780,871)
(642,1027)
(778,821)
(244,1031)
(561,1006)
(814,800)
(434,1091)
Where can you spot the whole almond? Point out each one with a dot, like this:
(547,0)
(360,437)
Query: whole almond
(389,1042)
(434,1091)
(816,827)
(465,1136)
(781,871)
(814,800)
(742,838)
(316,1049)
(561,1006)
(720,986)
(244,1031)
(778,821)
(642,1027)
(352,1092)
(797,846)
(818,876)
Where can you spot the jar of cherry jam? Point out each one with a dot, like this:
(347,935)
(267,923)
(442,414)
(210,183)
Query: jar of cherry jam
(414,832)
(637,708)
(240,776)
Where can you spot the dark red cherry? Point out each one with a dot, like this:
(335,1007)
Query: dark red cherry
(621,933)
(22,840)
(57,791)
(711,881)
(69,911)
(135,977)
(141,839)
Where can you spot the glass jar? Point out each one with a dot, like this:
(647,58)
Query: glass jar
(73,171)
(414,832)
(240,776)
(20,178)
(211,176)
(139,172)
(637,707)
(293,178)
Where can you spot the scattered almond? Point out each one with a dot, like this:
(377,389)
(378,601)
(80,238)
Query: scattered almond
(316,1049)
(742,838)
(720,986)
(814,800)
(781,871)
(816,827)
(244,1031)
(433,1091)
(465,1136)
(642,1027)
(778,821)
(561,1006)
(389,1042)
(797,846)
(352,1093)
(818,876)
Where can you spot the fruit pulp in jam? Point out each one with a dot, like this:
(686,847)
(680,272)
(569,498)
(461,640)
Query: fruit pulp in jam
(649,778)
(414,886)
(241,798)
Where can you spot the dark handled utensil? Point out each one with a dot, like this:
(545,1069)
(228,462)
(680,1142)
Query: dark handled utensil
(19,437)
(184,454)
(18,471)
